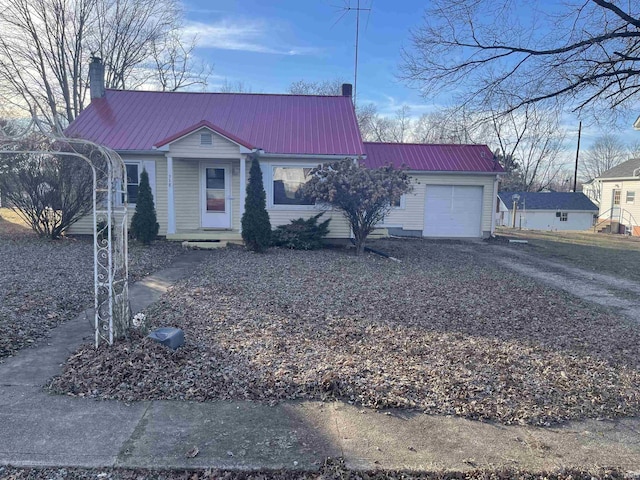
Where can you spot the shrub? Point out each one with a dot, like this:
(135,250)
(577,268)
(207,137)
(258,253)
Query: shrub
(301,234)
(144,224)
(363,195)
(256,228)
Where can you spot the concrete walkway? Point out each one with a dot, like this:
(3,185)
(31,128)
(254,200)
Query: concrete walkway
(621,294)
(37,429)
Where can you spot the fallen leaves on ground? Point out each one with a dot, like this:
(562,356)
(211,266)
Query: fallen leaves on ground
(445,332)
(46,282)
(333,469)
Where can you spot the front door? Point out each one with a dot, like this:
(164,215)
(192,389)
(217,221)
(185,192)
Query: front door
(215,196)
(615,210)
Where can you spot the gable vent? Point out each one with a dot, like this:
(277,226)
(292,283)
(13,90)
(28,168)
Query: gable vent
(206,139)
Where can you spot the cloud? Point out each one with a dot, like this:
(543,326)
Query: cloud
(246,36)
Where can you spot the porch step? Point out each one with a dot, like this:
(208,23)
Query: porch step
(206,236)
(211,245)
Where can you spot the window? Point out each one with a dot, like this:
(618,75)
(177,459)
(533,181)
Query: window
(631,197)
(206,139)
(616,197)
(133,181)
(215,190)
(287,182)
(564,217)
(398,203)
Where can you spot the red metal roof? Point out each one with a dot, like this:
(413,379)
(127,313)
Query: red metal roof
(286,124)
(432,157)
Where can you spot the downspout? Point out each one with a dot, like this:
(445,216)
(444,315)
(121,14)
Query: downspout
(495,206)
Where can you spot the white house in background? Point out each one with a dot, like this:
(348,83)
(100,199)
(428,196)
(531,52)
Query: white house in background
(592,189)
(196,146)
(620,198)
(550,210)
(502,214)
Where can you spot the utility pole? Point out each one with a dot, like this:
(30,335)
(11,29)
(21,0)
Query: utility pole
(575,173)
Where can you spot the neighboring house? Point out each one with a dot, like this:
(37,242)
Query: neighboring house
(196,146)
(620,198)
(550,210)
(592,190)
(502,214)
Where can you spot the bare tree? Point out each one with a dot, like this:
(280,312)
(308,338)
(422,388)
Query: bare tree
(585,53)
(532,139)
(322,87)
(42,55)
(234,87)
(606,152)
(452,125)
(174,64)
(46,44)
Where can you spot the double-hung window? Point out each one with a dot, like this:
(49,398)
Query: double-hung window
(133,181)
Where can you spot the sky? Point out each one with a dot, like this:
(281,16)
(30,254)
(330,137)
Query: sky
(267,45)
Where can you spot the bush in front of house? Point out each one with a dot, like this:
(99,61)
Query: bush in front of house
(144,224)
(256,227)
(301,234)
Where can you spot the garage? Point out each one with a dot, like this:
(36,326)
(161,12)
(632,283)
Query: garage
(453,211)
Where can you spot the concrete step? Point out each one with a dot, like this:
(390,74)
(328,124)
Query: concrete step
(205,245)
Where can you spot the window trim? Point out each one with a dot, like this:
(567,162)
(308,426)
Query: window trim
(633,197)
(271,203)
(403,203)
(564,216)
(139,164)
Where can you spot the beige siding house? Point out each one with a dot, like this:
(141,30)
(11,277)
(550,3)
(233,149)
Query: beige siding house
(196,148)
(620,198)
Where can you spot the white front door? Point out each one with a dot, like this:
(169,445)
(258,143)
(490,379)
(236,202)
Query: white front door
(215,188)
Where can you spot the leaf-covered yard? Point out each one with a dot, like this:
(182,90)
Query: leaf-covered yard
(445,332)
(46,282)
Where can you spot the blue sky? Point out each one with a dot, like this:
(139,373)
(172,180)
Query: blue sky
(269,44)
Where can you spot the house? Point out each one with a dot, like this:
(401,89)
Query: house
(592,190)
(195,148)
(550,210)
(620,198)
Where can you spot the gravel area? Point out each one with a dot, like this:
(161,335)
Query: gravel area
(333,469)
(446,332)
(44,283)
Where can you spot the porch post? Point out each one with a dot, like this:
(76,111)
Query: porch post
(243,185)
(171,212)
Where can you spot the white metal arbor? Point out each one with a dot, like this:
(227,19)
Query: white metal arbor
(110,220)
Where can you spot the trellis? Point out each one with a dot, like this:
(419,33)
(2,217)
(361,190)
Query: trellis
(112,316)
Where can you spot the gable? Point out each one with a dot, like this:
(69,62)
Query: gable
(204,142)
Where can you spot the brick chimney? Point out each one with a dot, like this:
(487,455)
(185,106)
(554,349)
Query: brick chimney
(347,90)
(96,78)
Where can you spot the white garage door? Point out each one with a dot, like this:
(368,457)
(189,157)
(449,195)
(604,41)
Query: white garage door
(453,211)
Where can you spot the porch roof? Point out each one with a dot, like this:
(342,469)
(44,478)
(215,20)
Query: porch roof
(281,124)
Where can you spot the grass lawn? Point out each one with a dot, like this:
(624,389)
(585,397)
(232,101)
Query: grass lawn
(617,255)
(444,332)
(46,282)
